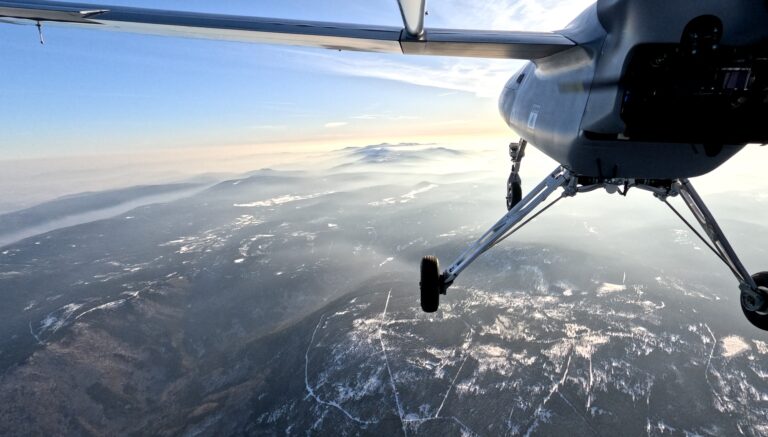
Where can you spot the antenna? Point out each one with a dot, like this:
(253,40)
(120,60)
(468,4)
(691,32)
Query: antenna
(40,32)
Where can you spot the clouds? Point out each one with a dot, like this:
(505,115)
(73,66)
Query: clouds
(387,116)
(484,78)
(535,15)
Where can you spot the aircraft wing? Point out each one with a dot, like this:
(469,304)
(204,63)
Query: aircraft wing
(413,39)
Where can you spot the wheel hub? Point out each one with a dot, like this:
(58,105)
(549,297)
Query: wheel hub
(754,300)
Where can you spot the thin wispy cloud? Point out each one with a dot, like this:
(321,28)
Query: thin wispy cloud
(392,117)
(534,15)
(335,124)
(484,78)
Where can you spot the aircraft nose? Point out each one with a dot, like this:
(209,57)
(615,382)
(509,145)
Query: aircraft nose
(508,95)
(506,101)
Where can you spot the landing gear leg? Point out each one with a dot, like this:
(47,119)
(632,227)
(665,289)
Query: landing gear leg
(514,183)
(754,288)
(432,284)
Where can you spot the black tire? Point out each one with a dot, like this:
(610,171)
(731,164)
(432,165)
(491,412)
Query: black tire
(514,191)
(758,320)
(430,284)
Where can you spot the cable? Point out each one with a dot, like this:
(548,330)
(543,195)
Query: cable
(698,234)
(711,247)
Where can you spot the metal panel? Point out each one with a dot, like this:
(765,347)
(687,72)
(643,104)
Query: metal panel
(487,44)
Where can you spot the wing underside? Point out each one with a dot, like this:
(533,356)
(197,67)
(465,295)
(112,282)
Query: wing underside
(339,36)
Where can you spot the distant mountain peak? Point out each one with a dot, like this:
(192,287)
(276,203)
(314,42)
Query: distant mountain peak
(385,153)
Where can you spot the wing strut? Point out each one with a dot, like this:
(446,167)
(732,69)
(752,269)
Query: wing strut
(413,16)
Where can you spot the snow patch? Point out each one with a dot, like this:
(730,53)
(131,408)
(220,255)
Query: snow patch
(280,200)
(590,229)
(412,195)
(733,346)
(405,198)
(608,288)
(59,318)
(491,358)
(762,347)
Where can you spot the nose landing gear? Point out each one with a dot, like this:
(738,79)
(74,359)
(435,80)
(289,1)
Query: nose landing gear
(514,183)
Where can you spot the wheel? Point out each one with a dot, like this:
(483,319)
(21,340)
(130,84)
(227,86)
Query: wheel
(514,191)
(430,284)
(755,318)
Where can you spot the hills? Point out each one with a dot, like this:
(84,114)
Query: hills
(286,302)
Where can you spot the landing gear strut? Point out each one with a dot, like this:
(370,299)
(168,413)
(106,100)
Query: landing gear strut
(514,183)
(754,288)
(432,285)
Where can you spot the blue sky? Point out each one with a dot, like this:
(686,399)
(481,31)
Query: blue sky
(90,92)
